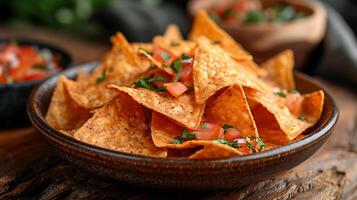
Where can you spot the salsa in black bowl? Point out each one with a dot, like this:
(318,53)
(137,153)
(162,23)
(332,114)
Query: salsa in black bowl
(24,64)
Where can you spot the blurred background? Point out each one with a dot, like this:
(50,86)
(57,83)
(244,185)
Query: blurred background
(85,26)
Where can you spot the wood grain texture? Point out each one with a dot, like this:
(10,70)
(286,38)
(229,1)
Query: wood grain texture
(30,170)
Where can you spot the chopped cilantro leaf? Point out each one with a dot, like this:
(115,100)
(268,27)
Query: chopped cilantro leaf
(176,141)
(293,91)
(102,76)
(251,146)
(185,57)
(203,126)
(226,127)
(185,136)
(226,142)
(302,118)
(165,56)
(280,94)
(174,43)
(259,141)
(146,51)
(145,83)
(177,66)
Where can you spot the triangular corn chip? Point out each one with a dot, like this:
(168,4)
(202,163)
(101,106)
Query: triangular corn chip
(213,69)
(164,130)
(64,113)
(183,109)
(173,32)
(120,125)
(204,26)
(274,121)
(280,69)
(232,108)
(177,47)
(120,66)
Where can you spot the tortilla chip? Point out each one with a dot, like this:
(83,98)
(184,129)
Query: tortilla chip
(312,106)
(280,69)
(119,67)
(173,32)
(164,130)
(120,125)
(213,150)
(156,63)
(232,108)
(204,26)
(82,76)
(213,69)
(274,121)
(64,113)
(183,109)
(138,45)
(176,47)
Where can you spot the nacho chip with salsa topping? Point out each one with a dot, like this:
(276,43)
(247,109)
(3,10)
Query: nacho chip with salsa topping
(120,125)
(232,108)
(183,109)
(63,112)
(280,69)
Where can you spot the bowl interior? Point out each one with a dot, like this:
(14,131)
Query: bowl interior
(42,96)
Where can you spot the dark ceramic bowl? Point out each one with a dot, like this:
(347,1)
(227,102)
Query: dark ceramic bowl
(175,173)
(13,97)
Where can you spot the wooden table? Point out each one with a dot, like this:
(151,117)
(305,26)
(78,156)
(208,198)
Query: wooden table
(30,169)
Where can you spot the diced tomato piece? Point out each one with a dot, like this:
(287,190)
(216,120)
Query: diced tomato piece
(34,74)
(175,89)
(232,134)
(209,131)
(163,55)
(245,149)
(27,58)
(243,6)
(186,74)
(293,101)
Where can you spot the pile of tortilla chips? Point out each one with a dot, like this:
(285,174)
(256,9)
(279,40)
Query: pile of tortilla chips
(104,108)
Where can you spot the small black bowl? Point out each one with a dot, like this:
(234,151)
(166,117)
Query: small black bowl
(13,97)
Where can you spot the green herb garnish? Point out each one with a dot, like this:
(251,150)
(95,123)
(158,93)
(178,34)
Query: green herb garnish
(177,67)
(293,91)
(251,146)
(102,76)
(280,94)
(145,83)
(185,57)
(254,16)
(226,142)
(165,56)
(226,127)
(302,118)
(203,126)
(184,137)
(260,142)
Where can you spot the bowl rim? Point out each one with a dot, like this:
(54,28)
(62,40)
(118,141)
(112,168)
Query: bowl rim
(38,120)
(42,44)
